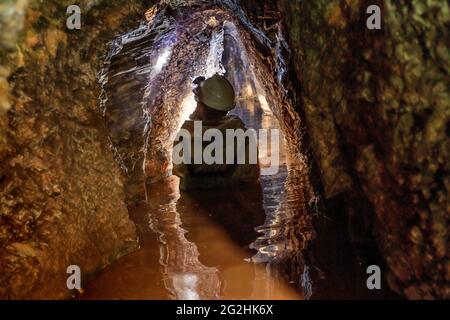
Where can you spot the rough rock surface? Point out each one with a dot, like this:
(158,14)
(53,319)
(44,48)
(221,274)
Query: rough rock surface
(376,105)
(61,192)
(377,108)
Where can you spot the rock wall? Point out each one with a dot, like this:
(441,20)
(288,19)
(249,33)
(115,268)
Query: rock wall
(61,192)
(377,106)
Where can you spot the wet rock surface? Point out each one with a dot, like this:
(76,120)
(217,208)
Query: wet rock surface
(377,106)
(61,192)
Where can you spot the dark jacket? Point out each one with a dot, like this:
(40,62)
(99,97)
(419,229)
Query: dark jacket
(206,176)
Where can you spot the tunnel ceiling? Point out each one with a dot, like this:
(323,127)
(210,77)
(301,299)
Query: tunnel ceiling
(148,74)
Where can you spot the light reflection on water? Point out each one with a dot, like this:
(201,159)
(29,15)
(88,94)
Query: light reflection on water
(201,242)
(211,244)
(206,245)
(286,191)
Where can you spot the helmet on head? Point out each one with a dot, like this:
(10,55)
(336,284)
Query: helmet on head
(216,92)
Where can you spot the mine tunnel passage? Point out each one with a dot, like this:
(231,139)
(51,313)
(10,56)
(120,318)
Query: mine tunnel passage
(218,244)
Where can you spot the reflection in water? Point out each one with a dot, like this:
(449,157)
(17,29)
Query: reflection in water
(202,244)
(209,244)
(287,227)
(183,274)
(217,244)
(214,229)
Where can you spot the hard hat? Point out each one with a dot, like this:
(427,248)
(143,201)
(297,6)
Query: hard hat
(216,92)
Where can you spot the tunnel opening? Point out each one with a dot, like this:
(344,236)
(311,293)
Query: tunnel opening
(164,100)
(146,97)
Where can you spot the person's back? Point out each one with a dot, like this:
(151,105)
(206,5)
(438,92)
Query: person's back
(219,94)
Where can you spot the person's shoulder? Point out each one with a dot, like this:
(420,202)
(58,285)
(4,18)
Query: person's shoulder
(234,121)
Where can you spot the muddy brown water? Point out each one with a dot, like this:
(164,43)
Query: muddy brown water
(233,244)
(209,244)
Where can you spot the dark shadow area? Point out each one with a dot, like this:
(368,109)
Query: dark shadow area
(341,263)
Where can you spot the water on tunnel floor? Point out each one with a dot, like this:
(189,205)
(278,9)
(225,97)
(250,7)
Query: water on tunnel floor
(205,245)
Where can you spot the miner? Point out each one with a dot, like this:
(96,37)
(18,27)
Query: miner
(215,97)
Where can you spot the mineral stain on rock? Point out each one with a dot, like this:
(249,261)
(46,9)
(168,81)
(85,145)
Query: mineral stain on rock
(390,124)
(365,112)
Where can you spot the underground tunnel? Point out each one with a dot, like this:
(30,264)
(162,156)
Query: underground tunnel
(359,130)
